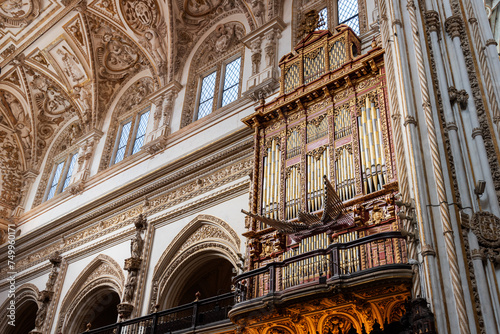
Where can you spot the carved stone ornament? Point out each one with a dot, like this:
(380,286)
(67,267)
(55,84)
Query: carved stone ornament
(432,20)
(486,227)
(309,23)
(18,13)
(337,324)
(453,25)
(125,309)
(132,264)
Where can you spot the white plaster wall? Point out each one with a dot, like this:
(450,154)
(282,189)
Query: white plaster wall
(229,211)
(118,253)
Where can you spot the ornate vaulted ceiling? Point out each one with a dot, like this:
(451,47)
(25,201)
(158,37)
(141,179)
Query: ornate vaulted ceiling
(65,62)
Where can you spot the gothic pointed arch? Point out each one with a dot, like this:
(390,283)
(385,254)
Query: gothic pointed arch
(206,238)
(26,297)
(96,287)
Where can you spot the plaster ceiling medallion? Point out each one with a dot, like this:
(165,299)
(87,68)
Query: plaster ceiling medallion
(18,13)
(141,15)
(486,227)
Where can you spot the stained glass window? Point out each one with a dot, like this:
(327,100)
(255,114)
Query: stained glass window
(207,95)
(231,82)
(141,132)
(122,143)
(69,173)
(349,14)
(323,19)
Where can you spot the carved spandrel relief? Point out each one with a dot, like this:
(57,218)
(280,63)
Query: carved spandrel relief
(75,29)
(106,7)
(70,64)
(13,79)
(194,18)
(18,13)
(199,8)
(20,119)
(143,17)
(11,179)
(52,106)
(117,59)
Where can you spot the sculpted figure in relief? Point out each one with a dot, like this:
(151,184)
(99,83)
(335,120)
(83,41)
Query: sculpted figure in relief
(71,63)
(225,36)
(128,295)
(40,315)
(15,107)
(136,245)
(258,10)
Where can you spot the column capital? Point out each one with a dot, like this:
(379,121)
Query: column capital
(432,20)
(453,25)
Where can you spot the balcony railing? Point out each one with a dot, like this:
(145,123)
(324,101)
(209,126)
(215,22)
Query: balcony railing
(377,252)
(186,317)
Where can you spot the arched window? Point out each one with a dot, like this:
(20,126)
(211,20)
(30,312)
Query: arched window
(61,165)
(333,13)
(215,77)
(128,129)
(61,174)
(131,135)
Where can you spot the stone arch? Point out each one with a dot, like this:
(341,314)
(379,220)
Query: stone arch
(102,275)
(206,237)
(26,293)
(336,320)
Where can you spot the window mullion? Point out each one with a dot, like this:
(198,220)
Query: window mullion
(131,135)
(217,88)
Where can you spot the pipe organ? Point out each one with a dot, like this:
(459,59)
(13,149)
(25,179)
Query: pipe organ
(329,120)
(322,207)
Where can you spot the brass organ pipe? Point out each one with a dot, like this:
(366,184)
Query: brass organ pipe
(362,148)
(381,141)
(264,184)
(273,181)
(366,162)
(370,129)
(376,145)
